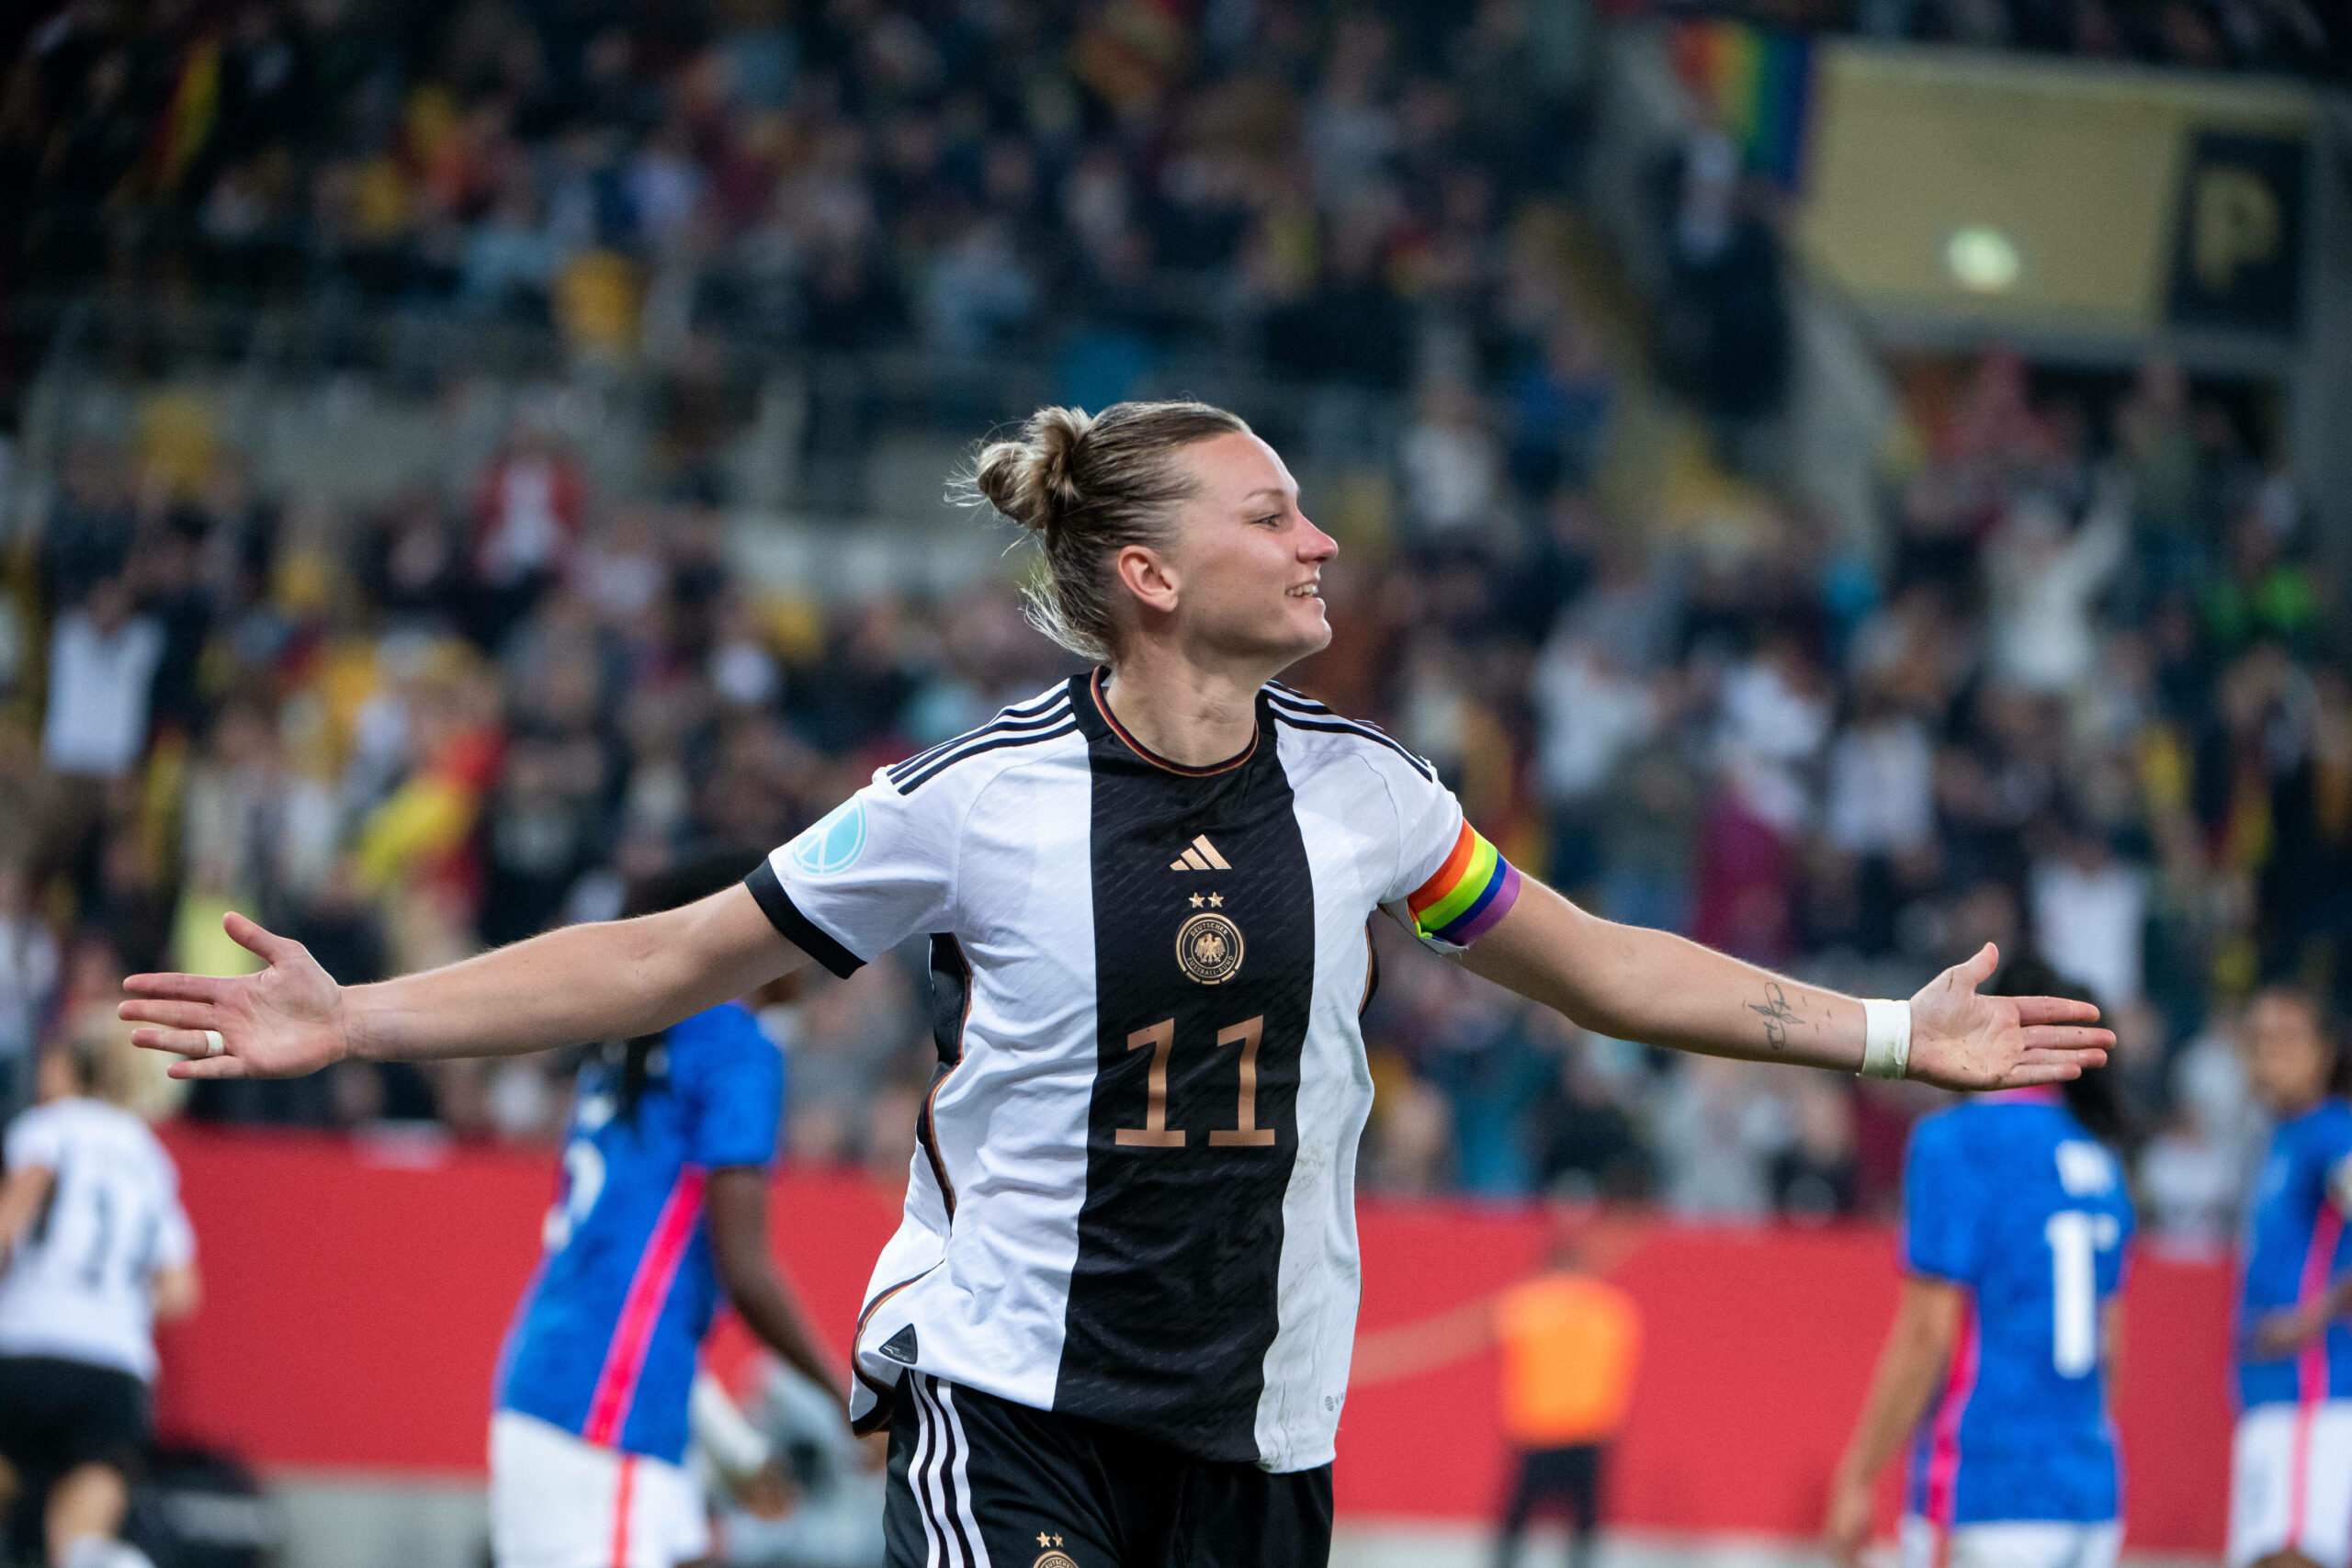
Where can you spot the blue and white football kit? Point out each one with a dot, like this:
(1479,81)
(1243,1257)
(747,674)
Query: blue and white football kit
(593,1384)
(2015,1465)
(2290,1469)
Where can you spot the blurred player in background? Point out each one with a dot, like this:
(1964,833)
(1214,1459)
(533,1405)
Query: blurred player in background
(662,1206)
(1570,1346)
(2291,1482)
(98,1249)
(2015,1219)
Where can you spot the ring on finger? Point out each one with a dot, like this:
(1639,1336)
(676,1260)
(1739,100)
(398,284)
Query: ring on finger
(213,1045)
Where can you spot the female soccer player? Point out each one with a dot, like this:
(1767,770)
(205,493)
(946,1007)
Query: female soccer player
(2291,1465)
(2013,1225)
(663,1206)
(96,1248)
(1113,1328)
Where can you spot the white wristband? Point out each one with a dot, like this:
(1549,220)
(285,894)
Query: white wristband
(1886,1039)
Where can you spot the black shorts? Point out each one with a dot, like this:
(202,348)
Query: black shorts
(977,1482)
(56,1414)
(1569,1477)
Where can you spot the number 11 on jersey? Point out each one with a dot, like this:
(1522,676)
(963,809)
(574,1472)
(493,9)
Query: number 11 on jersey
(1155,1133)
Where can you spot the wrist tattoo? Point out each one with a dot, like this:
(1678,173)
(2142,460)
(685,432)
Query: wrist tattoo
(1777,1014)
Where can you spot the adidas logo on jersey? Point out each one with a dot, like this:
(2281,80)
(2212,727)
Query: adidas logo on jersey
(1200,855)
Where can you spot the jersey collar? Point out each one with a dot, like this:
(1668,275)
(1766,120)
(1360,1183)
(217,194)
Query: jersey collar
(1101,708)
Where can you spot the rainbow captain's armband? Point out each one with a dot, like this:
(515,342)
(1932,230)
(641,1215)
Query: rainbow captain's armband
(1471,891)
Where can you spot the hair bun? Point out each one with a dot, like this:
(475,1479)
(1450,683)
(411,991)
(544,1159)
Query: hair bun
(1033,479)
(1088,485)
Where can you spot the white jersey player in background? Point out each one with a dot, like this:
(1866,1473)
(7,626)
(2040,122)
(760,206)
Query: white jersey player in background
(97,1248)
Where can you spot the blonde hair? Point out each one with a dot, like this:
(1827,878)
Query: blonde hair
(103,1061)
(1088,486)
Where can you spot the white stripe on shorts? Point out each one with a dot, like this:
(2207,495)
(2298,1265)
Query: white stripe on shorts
(975,1547)
(919,1472)
(936,1493)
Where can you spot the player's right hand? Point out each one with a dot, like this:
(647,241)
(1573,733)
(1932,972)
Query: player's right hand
(768,1492)
(284,1020)
(1848,1524)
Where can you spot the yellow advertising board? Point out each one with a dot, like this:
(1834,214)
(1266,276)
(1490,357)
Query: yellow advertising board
(2027,194)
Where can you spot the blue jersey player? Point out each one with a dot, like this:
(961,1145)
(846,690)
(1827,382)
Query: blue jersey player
(2290,1482)
(2014,1229)
(661,1208)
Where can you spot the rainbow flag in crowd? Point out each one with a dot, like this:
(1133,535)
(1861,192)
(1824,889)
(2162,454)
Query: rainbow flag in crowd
(1758,82)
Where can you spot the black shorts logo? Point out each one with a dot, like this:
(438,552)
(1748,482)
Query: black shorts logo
(1208,949)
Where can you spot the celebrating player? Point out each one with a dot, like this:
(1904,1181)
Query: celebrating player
(98,1247)
(1114,1326)
(2290,1482)
(663,1205)
(2013,1225)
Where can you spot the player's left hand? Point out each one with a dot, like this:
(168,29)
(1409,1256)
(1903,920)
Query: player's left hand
(2283,1332)
(1964,1041)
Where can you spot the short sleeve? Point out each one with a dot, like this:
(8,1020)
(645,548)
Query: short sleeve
(1428,821)
(878,869)
(1941,1227)
(732,1082)
(36,1139)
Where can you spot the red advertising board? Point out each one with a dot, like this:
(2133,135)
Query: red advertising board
(356,1292)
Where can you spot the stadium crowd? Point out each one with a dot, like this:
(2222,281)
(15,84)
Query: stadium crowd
(2118,739)
(2083,700)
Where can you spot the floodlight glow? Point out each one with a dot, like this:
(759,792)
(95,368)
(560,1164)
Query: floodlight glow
(1982,260)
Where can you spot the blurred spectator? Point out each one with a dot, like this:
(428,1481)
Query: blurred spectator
(2038,631)
(529,512)
(102,662)
(1725,332)
(2090,914)
(1590,713)
(1880,811)
(1648,823)
(1583,1143)
(1450,463)
(1716,1136)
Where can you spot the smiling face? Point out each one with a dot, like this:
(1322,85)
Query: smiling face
(1239,578)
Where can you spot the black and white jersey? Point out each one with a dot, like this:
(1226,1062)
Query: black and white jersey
(78,1284)
(1134,1200)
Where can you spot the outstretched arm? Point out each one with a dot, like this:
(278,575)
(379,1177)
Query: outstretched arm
(1632,983)
(1918,1348)
(585,982)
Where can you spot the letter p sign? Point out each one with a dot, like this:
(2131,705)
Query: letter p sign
(2236,223)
